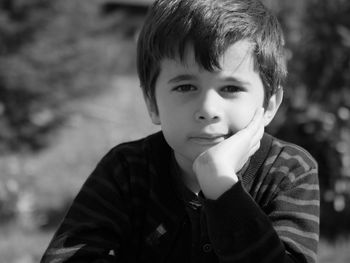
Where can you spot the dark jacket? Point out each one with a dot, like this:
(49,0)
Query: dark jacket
(133,209)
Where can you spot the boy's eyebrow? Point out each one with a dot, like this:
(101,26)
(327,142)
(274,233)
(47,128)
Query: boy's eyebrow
(234,79)
(187,77)
(182,77)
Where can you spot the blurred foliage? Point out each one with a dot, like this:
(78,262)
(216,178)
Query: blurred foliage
(316,110)
(50,52)
(54,51)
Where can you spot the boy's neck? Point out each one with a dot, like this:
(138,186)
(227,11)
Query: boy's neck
(187,175)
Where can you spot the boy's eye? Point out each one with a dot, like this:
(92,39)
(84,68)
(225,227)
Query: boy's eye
(231,89)
(184,88)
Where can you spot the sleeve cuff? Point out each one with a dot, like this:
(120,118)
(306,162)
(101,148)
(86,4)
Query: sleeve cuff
(232,209)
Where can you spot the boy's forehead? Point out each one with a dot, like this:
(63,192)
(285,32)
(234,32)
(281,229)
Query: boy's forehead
(234,56)
(238,51)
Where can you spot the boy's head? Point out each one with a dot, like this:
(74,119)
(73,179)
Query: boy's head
(205,67)
(210,26)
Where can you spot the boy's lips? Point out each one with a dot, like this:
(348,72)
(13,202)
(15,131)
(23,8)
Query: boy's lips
(208,139)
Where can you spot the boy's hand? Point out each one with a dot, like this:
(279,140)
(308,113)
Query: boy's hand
(216,168)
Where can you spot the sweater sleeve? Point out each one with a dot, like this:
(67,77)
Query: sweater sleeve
(97,224)
(286,231)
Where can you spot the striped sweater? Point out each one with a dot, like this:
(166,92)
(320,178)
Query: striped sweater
(130,209)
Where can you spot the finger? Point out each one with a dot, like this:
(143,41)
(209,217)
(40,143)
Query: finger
(252,132)
(254,149)
(256,121)
(256,132)
(257,136)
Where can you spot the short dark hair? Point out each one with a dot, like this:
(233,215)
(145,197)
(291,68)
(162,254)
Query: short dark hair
(210,26)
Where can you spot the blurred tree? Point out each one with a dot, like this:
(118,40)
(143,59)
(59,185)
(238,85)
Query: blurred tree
(316,112)
(19,24)
(51,52)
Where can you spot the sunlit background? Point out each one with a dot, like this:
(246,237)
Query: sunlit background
(69,92)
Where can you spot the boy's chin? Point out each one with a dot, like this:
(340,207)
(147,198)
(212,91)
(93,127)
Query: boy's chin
(202,150)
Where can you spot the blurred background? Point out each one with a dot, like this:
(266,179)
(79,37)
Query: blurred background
(69,92)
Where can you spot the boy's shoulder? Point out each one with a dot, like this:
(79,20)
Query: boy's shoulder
(140,150)
(284,151)
(288,161)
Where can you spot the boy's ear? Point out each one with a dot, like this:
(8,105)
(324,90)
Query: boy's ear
(273,105)
(152,110)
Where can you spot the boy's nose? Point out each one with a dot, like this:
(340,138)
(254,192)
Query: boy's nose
(208,108)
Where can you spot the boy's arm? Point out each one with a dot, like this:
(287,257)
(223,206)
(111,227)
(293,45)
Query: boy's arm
(240,231)
(97,224)
(238,228)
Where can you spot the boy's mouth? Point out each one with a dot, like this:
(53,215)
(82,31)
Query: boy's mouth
(208,139)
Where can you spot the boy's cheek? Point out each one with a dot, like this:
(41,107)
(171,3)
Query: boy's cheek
(241,121)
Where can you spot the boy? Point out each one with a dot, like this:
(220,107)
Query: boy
(211,186)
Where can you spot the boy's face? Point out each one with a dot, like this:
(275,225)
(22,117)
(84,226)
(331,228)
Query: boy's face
(198,109)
